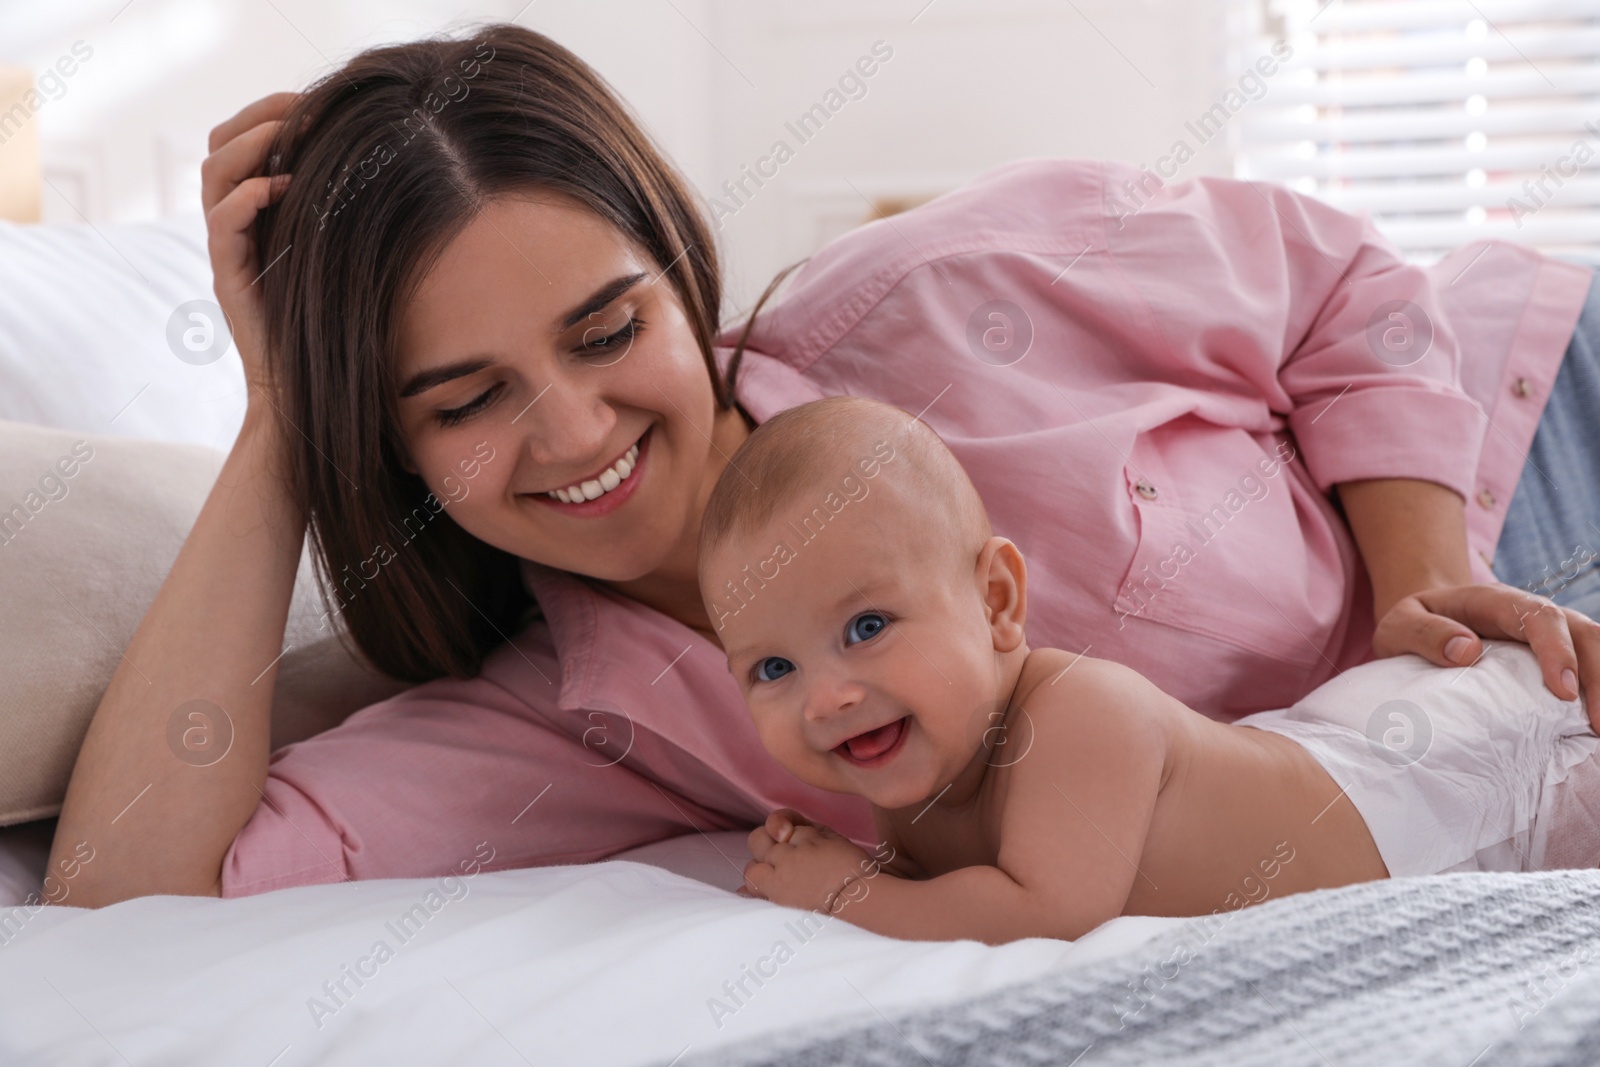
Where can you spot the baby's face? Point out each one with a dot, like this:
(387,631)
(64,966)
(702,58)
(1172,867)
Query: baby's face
(865,654)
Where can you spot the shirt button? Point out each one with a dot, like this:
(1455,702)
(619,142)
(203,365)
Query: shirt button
(1145,489)
(1521,387)
(1486,498)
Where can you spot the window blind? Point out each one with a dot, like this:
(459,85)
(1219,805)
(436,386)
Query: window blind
(1447,121)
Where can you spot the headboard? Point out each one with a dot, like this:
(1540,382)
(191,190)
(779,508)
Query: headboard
(20,179)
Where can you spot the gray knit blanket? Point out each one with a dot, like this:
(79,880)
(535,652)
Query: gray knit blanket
(1458,970)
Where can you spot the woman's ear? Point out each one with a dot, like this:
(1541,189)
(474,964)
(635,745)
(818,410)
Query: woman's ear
(405,461)
(1003,577)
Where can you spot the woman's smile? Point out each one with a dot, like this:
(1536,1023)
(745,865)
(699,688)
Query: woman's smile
(604,493)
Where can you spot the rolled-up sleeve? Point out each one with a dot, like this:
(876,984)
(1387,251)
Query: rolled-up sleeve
(451,774)
(1317,313)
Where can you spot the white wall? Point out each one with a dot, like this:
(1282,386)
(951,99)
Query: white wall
(971,83)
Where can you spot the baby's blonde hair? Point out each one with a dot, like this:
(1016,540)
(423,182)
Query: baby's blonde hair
(817,445)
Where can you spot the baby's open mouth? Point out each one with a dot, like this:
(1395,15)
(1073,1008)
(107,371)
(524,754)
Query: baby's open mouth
(875,747)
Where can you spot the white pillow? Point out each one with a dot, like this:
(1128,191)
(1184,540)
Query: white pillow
(85,313)
(89,527)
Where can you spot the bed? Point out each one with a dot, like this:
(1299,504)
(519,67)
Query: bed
(653,960)
(648,958)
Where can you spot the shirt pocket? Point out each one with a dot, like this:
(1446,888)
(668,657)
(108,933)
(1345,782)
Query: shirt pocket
(1224,549)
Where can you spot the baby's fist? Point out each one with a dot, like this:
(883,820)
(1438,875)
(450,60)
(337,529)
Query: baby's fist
(802,864)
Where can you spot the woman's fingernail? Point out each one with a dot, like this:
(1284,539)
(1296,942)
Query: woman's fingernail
(1455,649)
(1570,680)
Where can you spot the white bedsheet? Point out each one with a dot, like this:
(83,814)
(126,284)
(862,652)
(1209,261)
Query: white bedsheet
(609,963)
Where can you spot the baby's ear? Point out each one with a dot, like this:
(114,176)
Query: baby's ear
(1003,578)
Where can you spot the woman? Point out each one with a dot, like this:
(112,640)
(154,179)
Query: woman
(479,319)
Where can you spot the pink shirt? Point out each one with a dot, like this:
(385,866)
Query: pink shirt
(1156,417)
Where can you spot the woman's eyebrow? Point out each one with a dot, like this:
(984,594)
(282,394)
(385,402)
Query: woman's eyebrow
(422,381)
(600,298)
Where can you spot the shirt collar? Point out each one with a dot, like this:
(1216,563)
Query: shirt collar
(570,610)
(766,385)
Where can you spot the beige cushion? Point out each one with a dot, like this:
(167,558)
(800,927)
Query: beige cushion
(76,575)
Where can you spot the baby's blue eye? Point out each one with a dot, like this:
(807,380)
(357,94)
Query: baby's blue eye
(772,668)
(864,626)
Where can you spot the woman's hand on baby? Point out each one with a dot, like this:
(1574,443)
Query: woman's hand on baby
(1444,627)
(802,864)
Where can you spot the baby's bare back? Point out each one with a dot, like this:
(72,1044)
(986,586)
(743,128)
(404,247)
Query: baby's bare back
(1213,816)
(1244,815)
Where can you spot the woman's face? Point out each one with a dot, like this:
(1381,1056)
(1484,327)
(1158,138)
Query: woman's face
(540,350)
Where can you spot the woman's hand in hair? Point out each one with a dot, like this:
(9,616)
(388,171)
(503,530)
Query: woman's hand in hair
(233,189)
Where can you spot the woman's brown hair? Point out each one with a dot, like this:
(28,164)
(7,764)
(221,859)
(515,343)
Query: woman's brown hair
(390,158)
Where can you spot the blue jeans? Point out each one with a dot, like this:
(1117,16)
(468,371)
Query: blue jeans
(1550,543)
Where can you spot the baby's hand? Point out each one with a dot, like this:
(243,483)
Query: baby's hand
(801,864)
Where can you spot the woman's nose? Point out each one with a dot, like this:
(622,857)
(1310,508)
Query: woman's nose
(566,427)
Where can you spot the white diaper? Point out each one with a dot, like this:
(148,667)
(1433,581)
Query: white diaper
(1452,768)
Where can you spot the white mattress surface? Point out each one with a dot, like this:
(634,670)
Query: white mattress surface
(620,962)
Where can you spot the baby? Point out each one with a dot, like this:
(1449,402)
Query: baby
(875,625)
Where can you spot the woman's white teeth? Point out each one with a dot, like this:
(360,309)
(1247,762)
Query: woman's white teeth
(609,479)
